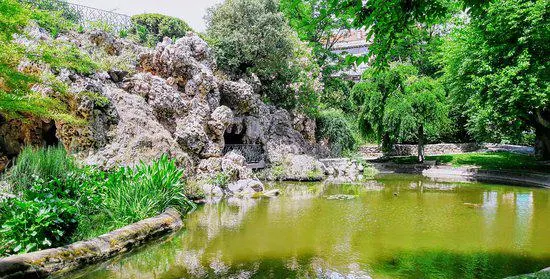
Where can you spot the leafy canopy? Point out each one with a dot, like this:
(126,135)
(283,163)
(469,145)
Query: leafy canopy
(497,69)
(152,28)
(252,37)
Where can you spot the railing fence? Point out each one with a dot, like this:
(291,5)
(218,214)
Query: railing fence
(84,15)
(253,153)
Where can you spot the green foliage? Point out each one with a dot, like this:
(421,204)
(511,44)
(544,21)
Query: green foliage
(39,164)
(17,100)
(152,28)
(497,70)
(123,33)
(333,125)
(336,94)
(252,37)
(314,24)
(57,202)
(12,19)
(370,95)
(133,194)
(33,224)
(399,105)
(101,25)
(52,21)
(62,55)
(61,8)
(220,179)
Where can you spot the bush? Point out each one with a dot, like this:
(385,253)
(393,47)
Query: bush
(152,28)
(56,6)
(133,194)
(32,224)
(333,126)
(252,37)
(336,94)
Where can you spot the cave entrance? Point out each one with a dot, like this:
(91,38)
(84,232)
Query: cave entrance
(231,137)
(235,141)
(48,134)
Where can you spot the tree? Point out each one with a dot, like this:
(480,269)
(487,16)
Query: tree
(496,67)
(252,37)
(315,23)
(152,28)
(398,105)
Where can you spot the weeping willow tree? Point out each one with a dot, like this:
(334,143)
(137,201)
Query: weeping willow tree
(398,104)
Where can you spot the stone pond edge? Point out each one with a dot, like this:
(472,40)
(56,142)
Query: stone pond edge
(467,174)
(52,261)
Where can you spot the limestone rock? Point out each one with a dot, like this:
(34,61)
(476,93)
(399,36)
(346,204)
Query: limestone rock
(239,95)
(234,165)
(106,41)
(246,187)
(137,137)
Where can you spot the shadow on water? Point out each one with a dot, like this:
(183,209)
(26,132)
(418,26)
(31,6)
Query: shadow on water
(442,264)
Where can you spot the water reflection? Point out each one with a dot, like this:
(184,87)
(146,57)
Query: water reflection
(395,227)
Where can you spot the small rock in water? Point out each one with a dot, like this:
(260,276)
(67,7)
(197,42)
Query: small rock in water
(271,193)
(473,205)
(340,197)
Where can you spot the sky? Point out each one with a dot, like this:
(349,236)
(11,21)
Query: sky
(191,11)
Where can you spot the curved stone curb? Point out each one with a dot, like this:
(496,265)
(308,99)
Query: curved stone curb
(465,174)
(543,274)
(44,263)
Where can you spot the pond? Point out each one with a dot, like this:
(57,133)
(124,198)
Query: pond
(397,226)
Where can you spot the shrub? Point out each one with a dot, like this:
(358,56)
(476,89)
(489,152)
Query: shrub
(252,36)
(333,126)
(60,7)
(38,220)
(152,28)
(39,164)
(221,179)
(133,194)
(52,21)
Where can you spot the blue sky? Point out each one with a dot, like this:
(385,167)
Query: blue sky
(190,11)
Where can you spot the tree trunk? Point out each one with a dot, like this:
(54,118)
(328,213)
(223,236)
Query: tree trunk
(421,144)
(542,133)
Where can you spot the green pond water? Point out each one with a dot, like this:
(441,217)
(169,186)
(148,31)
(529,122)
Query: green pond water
(394,227)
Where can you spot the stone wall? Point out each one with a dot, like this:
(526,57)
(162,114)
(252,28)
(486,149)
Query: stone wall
(444,148)
(47,262)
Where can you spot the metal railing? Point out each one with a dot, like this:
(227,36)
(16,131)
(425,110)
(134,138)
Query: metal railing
(252,153)
(84,15)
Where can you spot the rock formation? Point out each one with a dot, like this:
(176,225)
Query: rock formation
(169,100)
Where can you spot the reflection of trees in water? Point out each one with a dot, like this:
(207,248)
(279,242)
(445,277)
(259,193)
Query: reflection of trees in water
(376,231)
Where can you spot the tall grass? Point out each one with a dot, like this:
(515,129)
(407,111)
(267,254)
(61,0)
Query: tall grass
(39,164)
(133,194)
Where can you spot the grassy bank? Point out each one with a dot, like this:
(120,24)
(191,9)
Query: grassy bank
(54,202)
(486,161)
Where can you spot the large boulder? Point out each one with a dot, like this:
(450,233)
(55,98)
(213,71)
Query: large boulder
(298,168)
(137,137)
(240,96)
(245,187)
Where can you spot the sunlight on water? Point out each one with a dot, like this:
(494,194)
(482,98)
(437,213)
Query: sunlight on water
(395,227)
